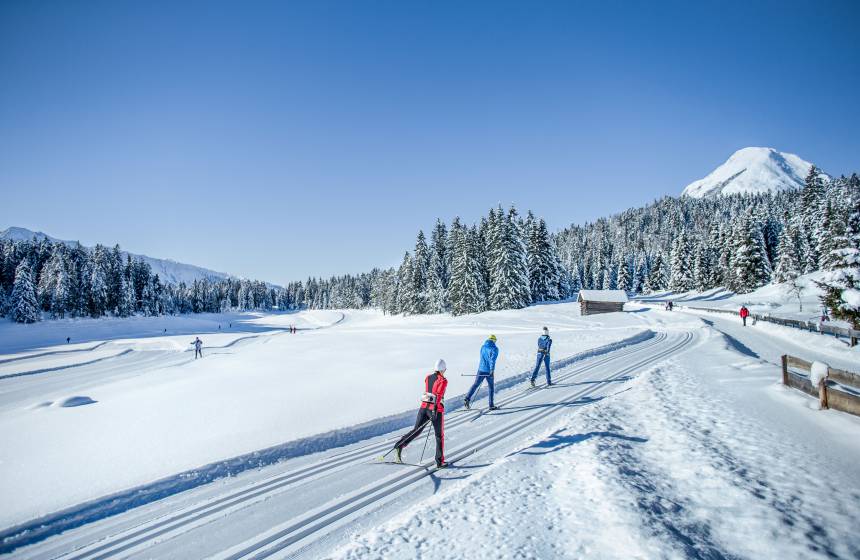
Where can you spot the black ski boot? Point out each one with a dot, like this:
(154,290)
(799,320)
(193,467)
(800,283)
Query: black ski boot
(397,457)
(466,404)
(494,407)
(442,465)
(532,381)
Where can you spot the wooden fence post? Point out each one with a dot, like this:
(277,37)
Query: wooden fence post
(822,394)
(785,369)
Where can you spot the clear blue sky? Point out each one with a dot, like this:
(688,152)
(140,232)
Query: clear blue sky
(281,139)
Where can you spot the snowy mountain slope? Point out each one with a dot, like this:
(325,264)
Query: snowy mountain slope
(752,170)
(168,271)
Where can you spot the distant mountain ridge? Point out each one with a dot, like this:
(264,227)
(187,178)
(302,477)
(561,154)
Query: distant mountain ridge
(168,271)
(752,171)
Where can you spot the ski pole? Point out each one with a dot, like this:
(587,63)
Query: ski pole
(468,375)
(426,439)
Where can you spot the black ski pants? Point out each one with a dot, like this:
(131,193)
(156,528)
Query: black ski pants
(426,416)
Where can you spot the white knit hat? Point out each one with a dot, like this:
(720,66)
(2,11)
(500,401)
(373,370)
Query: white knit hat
(440,365)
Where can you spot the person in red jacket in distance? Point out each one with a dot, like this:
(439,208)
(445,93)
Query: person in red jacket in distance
(744,314)
(432,411)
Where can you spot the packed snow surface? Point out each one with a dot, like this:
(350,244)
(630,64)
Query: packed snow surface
(676,441)
(704,456)
(157,411)
(752,171)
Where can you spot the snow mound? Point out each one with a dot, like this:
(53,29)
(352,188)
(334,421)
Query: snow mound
(817,373)
(752,171)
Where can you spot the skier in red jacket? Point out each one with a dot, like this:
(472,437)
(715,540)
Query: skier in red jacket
(744,314)
(432,411)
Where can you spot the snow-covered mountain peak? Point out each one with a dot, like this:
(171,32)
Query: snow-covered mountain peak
(752,170)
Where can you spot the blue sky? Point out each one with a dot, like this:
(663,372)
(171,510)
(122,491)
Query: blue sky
(279,140)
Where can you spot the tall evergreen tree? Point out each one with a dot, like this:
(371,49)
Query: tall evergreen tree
(656,276)
(841,286)
(24,307)
(750,265)
(787,264)
(509,274)
(624,278)
(681,277)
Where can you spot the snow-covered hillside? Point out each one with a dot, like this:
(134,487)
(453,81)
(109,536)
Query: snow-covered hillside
(752,170)
(170,272)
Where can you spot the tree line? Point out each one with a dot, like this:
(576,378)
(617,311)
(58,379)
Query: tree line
(503,261)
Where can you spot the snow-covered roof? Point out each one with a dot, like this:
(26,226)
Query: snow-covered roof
(612,296)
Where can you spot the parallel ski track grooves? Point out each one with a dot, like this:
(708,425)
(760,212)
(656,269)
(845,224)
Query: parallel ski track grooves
(124,541)
(343,508)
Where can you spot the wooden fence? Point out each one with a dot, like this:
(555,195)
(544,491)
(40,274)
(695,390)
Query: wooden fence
(851,334)
(839,391)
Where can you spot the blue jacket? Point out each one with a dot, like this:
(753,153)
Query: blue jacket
(544,344)
(489,353)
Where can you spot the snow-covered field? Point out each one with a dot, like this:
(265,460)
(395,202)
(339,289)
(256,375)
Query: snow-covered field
(153,411)
(668,435)
(772,299)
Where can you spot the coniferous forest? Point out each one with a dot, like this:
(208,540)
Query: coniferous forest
(505,261)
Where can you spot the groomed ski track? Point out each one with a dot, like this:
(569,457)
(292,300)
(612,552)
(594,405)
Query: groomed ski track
(305,507)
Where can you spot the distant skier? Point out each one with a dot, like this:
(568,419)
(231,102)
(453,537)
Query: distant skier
(68,339)
(198,347)
(744,314)
(432,410)
(544,344)
(669,306)
(486,370)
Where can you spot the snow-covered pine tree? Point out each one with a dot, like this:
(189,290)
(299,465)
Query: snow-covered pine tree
(656,281)
(98,282)
(787,264)
(419,301)
(831,229)
(575,280)
(640,275)
(624,278)
(841,286)
(681,276)
(703,268)
(811,198)
(718,274)
(24,307)
(405,295)
(509,273)
(542,271)
(750,265)
(439,274)
(61,290)
(466,286)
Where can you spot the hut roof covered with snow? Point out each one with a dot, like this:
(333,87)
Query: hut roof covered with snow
(601,301)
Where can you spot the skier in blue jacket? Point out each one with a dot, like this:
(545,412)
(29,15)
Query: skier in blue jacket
(544,344)
(486,369)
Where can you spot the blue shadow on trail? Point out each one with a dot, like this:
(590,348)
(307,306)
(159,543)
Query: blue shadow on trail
(556,442)
(734,343)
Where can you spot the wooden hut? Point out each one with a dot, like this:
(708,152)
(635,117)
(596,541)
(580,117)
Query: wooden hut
(592,302)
